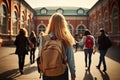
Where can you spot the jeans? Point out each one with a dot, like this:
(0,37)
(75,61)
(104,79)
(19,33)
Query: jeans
(21,59)
(32,55)
(102,58)
(88,54)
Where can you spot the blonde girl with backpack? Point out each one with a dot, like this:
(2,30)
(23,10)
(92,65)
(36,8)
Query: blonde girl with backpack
(58,29)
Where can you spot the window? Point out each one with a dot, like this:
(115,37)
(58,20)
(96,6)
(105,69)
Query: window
(106,21)
(23,21)
(80,11)
(14,22)
(60,10)
(3,19)
(70,28)
(115,20)
(41,28)
(99,21)
(80,30)
(43,11)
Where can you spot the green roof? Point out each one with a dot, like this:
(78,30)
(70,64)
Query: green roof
(72,11)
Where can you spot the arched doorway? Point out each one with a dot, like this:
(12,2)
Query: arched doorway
(80,30)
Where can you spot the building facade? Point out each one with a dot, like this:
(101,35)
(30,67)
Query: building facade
(15,14)
(77,18)
(106,14)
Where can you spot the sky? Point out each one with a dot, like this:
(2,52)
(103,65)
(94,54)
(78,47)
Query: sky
(61,3)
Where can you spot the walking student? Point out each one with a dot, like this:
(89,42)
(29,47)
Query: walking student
(21,42)
(33,39)
(104,43)
(57,30)
(89,44)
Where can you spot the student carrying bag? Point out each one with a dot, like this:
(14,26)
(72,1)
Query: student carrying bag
(52,61)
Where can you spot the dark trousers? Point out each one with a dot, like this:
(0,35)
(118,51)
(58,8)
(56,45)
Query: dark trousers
(76,46)
(32,55)
(21,61)
(61,77)
(102,58)
(88,54)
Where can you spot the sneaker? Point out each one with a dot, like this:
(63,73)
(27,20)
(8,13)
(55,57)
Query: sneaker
(104,70)
(21,71)
(98,67)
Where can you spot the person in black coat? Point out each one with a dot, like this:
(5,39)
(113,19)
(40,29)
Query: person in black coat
(21,42)
(103,44)
(33,40)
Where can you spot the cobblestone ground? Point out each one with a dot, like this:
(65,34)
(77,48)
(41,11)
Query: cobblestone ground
(9,67)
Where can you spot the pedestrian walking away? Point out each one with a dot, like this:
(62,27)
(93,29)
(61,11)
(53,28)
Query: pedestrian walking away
(89,44)
(33,40)
(57,31)
(104,43)
(21,43)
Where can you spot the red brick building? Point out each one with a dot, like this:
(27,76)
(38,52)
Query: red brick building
(15,14)
(106,14)
(76,17)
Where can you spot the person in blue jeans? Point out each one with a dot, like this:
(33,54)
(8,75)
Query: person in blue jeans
(58,29)
(103,45)
(88,48)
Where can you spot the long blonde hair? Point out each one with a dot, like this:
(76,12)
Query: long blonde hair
(58,27)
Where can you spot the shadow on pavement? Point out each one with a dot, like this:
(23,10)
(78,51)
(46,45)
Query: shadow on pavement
(88,76)
(29,70)
(113,53)
(104,75)
(10,74)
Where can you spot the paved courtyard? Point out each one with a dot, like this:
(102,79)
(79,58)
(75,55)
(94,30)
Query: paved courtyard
(9,66)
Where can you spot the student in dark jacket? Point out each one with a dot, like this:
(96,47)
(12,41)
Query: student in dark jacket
(104,43)
(32,51)
(21,42)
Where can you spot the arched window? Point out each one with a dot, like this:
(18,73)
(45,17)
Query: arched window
(80,11)
(14,22)
(41,28)
(115,20)
(3,19)
(70,29)
(61,11)
(43,11)
(23,21)
(99,21)
(106,22)
(29,26)
(80,30)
